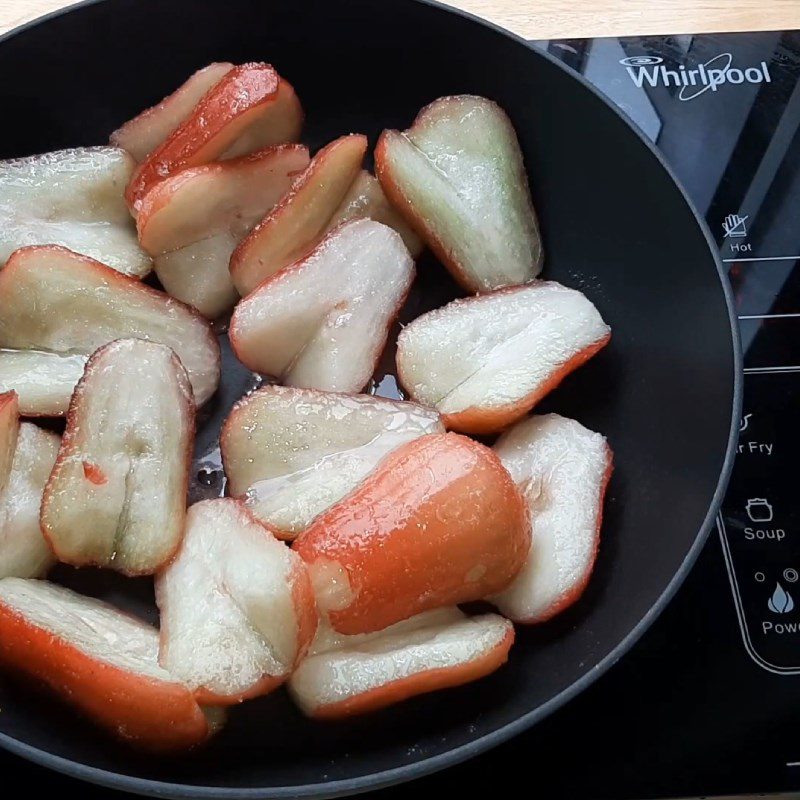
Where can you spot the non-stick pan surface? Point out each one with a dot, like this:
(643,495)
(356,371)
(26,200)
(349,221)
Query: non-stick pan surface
(615,224)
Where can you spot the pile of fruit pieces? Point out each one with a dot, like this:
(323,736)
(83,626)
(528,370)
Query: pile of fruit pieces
(355,525)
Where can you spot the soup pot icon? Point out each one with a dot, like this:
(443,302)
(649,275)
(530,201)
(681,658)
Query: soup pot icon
(759,509)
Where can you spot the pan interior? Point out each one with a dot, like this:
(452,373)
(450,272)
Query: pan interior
(615,225)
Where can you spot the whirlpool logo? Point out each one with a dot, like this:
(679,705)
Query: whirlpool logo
(651,71)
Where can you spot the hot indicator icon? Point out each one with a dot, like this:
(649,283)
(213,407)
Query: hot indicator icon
(735,226)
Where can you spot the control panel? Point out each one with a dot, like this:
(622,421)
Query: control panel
(760,520)
(759,523)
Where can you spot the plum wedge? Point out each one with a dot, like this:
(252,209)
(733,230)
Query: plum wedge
(43,380)
(27,455)
(458,177)
(348,675)
(9,431)
(281,122)
(228,196)
(101,661)
(365,198)
(437,523)
(322,323)
(192,221)
(237,607)
(74,198)
(117,494)
(292,453)
(24,552)
(59,303)
(484,362)
(240,100)
(198,275)
(296,224)
(563,470)
(142,134)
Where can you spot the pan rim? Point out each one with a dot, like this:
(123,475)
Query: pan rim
(408,772)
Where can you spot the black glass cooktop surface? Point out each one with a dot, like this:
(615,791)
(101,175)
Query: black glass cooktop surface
(708,702)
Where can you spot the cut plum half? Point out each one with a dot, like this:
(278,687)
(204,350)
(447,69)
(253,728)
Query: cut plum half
(436,522)
(117,495)
(241,99)
(192,221)
(73,198)
(458,177)
(350,675)
(24,552)
(483,362)
(43,380)
(563,470)
(57,304)
(282,122)
(237,607)
(297,223)
(101,661)
(290,454)
(365,199)
(322,323)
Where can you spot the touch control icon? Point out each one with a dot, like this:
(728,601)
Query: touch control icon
(759,509)
(781,601)
(735,226)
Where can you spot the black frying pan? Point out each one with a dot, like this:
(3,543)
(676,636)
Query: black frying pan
(666,392)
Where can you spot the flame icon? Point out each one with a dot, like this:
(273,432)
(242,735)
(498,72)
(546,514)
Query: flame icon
(781,601)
